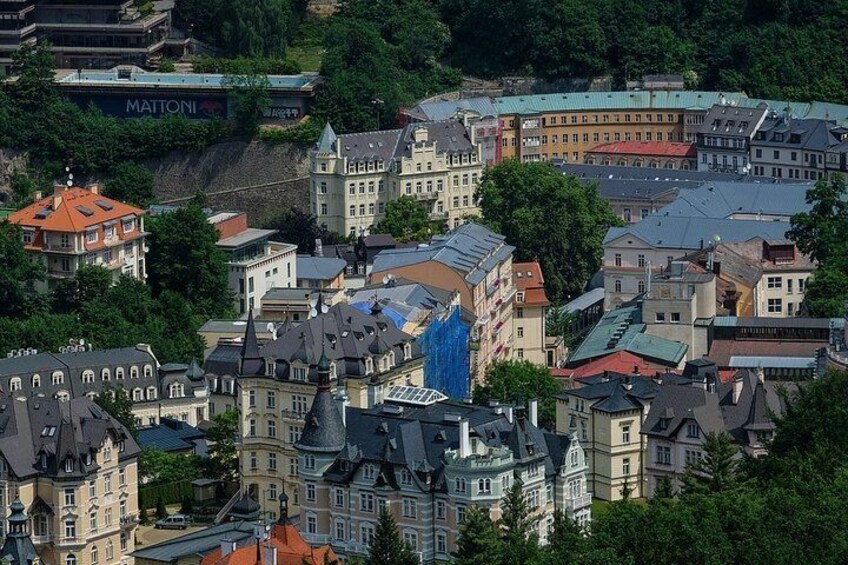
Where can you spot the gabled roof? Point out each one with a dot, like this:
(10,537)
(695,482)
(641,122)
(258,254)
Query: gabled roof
(319,268)
(78,210)
(675,232)
(528,278)
(646,149)
(722,200)
(199,543)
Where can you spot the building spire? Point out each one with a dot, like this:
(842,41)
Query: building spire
(252,363)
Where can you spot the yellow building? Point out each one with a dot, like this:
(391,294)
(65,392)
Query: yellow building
(528,313)
(75,470)
(565,126)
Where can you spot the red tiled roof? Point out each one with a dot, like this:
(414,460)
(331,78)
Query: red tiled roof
(722,350)
(291,550)
(647,148)
(619,362)
(78,210)
(527,278)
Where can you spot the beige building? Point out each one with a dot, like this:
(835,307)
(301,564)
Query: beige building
(74,468)
(275,387)
(354,176)
(607,412)
(477,263)
(78,226)
(529,308)
(427,460)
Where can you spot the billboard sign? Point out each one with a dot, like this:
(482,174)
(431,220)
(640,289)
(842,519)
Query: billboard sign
(155,105)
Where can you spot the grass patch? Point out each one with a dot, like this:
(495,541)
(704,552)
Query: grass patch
(307,48)
(308,57)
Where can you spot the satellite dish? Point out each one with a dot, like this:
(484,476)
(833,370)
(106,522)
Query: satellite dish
(270,327)
(313,312)
(324,308)
(70,183)
(385,279)
(313,302)
(71,176)
(716,238)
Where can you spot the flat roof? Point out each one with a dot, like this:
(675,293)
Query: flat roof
(249,235)
(138,77)
(745,362)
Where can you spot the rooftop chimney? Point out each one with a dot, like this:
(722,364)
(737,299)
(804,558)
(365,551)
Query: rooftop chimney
(342,402)
(57,195)
(269,554)
(93,188)
(533,411)
(319,247)
(737,389)
(507,410)
(464,439)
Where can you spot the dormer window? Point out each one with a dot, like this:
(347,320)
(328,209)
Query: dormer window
(105,375)
(36,381)
(69,465)
(15,384)
(87,377)
(148,371)
(664,423)
(119,373)
(88,459)
(43,460)
(369,365)
(407,351)
(133,372)
(299,374)
(58,377)
(48,431)
(332,371)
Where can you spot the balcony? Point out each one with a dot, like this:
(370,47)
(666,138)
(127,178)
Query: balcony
(129,520)
(292,415)
(572,504)
(316,539)
(430,195)
(437,216)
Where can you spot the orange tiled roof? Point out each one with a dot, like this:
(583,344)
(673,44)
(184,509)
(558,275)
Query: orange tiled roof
(291,548)
(647,148)
(527,278)
(68,217)
(619,362)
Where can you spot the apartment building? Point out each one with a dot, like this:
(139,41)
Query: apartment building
(100,34)
(78,226)
(758,277)
(74,469)
(171,390)
(607,412)
(321,272)
(786,147)
(680,417)
(529,308)
(355,176)
(648,154)
(725,137)
(713,213)
(255,263)
(275,387)
(476,262)
(426,460)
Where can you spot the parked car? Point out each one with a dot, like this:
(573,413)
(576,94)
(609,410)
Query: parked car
(173,522)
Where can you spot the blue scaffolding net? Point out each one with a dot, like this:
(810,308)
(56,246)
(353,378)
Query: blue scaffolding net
(447,365)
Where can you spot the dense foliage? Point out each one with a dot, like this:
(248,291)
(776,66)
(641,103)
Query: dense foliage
(549,217)
(407,219)
(19,274)
(116,401)
(823,234)
(387,548)
(131,183)
(381,55)
(518,382)
(302,229)
(244,65)
(769,48)
(785,508)
(223,456)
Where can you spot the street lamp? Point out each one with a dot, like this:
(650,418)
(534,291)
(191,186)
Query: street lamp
(377,103)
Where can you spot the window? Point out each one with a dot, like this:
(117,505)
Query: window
(617,286)
(410,508)
(641,287)
(122,510)
(107,517)
(310,492)
(460,513)
(441,510)
(91,236)
(660,317)
(251,428)
(675,317)
(441,543)
(774,282)
(92,489)
(311,524)
(107,483)
(251,399)
(484,486)
(410,537)
(15,384)
(692,430)
(253,461)
(309,462)
(69,465)
(70,529)
(58,377)
(618,259)
(625,466)
(692,456)
(663,455)
(367,533)
(775,305)
(533,499)
(366,501)
(459,485)
(519,312)
(625,433)
(801,284)
(70,497)
(520,331)
(339,497)
(641,260)
(87,377)
(405,477)
(271,399)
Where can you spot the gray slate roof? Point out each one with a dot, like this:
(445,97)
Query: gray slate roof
(732,121)
(613,392)
(445,110)
(30,428)
(810,134)
(319,268)
(674,232)
(471,249)
(723,200)
(197,543)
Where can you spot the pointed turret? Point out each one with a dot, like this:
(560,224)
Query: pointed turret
(252,363)
(18,547)
(194,371)
(324,431)
(327,140)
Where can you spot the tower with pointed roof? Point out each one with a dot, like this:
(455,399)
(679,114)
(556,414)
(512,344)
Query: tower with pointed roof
(18,548)
(251,363)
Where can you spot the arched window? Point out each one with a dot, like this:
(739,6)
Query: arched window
(484,485)
(58,377)
(88,376)
(110,551)
(62,396)
(119,373)
(71,559)
(459,484)
(407,351)
(36,381)
(94,555)
(151,393)
(148,371)
(618,286)
(105,375)
(15,384)
(91,395)
(369,365)
(175,390)
(133,372)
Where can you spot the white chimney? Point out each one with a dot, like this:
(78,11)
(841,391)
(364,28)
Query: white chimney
(319,248)
(737,389)
(342,402)
(508,412)
(533,410)
(464,439)
(227,547)
(269,555)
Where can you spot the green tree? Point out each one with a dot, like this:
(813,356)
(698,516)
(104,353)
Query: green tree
(387,548)
(478,542)
(549,217)
(185,259)
(560,323)
(517,527)
(223,456)
(301,228)
(664,489)
(19,274)
(518,381)
(161,511)
(717,471)
(567,542)
(249,97)
(131,183)
(159,467)
(34,64)
(90,282)
(407,219)
(822,232)
(117,403)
